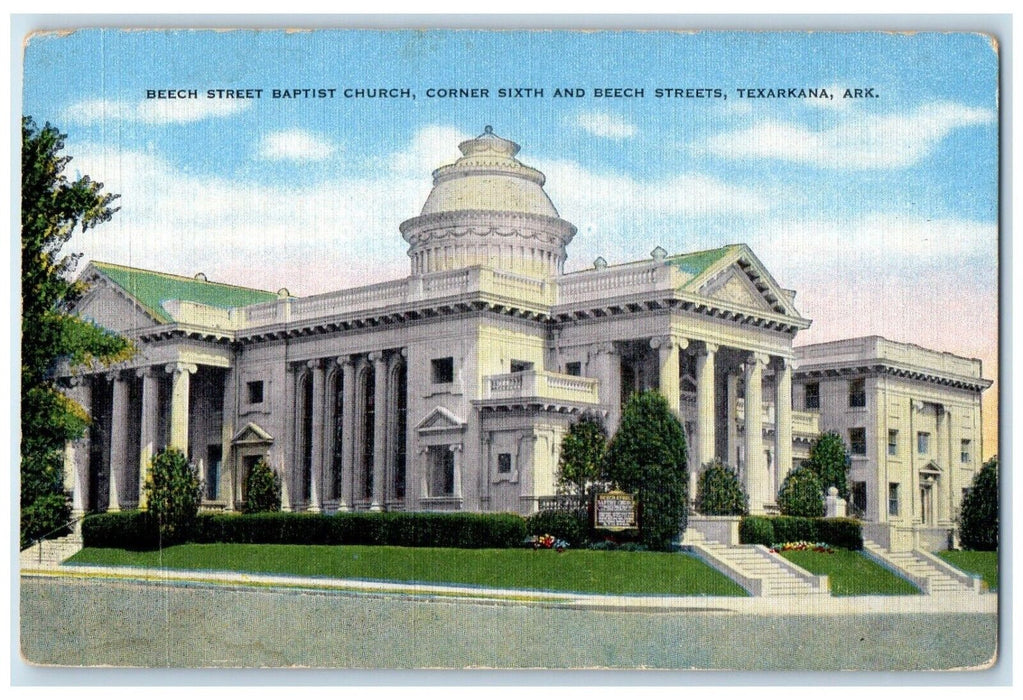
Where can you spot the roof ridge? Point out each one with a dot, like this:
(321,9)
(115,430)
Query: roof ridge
(171,275)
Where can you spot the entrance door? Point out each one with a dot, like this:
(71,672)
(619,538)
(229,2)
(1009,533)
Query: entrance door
(926,504)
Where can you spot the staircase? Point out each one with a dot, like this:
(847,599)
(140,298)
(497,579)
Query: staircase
(48,554)
(756,569)
(930,574)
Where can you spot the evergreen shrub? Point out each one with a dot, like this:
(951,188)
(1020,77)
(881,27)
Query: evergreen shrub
(173,494)
(719,492)
(262,489)
(801,494)
(978,515)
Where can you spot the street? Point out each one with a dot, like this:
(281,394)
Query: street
(123,623)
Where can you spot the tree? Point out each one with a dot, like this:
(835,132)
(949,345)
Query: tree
(173,494)
(582,457)
(262,489)
(978,514)
(830,461)
(718,491)
(648,457)
(52,208)
(801,494)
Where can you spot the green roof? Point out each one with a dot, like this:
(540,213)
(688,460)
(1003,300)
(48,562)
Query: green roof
(696,263)
(151,289)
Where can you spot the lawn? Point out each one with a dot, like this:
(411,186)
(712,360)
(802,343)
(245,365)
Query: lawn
(583,571)
(983,563)
(851,573)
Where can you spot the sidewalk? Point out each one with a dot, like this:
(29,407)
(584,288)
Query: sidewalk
(781,605)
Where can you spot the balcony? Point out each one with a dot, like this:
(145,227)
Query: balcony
(542,385)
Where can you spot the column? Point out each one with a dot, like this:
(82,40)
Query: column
(782,421)
(456,461)
(756,478)
(317,436)
(668,348)
(379,428)
(180,371)
(292,422)
(118,440)
(348,431)
(940,498)
(705,403)
(607,367)
(80,454)
(732,399)
(148,430)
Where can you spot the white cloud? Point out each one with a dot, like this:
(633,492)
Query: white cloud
(296,144)
(861,142)
(608,126)
(430,148)
(152,111)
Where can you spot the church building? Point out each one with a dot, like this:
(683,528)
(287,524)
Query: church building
(451,388)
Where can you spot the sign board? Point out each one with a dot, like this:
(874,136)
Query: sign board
(615,510)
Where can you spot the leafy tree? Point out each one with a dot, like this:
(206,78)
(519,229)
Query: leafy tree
(648,457)
(173,493)
(830,461)
(582,457)
(978,514)
(719,492)
(52,209)
(262,489)
(801,494)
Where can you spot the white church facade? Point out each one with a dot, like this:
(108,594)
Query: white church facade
(451,389)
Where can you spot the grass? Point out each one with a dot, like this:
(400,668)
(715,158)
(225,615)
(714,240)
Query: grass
(851,573)
(582,571)
(983,563)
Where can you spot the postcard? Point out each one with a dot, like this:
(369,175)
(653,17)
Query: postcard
(410,349)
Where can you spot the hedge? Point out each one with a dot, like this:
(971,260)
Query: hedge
(573,526)
(137,530)
(770,530)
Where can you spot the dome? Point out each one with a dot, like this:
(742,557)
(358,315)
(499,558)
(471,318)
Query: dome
(488,209)
(488,177)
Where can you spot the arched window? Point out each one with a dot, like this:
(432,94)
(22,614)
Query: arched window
(368,421)
(338,442)
(306,427)
(400,404)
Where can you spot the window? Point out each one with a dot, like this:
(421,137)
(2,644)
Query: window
(923,443)
(574,368)
(858,441)
(857,393)
(442,471)
(812,396)
(504,464)
(521,366)
(858,496)
(893,499)
(254,392)
(964,451)
(443,370)
(893,442)
(214,457)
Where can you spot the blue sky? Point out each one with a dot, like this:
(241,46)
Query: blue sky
(881,212)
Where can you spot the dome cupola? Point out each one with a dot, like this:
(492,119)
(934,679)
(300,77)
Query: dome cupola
(488,208)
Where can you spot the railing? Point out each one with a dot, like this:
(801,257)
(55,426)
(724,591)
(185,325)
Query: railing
(625,280)
(69,525)
(803,422)
(541,384)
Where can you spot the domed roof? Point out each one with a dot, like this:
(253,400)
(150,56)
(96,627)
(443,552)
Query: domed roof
(488,178)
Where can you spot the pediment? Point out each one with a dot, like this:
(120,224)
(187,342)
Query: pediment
(931,468)
(440,419)
(251,434)
(740,279)
(109,306)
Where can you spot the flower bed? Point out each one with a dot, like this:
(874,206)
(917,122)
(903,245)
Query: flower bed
(802,546)
(549,542)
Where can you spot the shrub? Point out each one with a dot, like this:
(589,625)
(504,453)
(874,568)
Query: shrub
(757,529)
(648,457)
(978,515)
(582,456)
(569,525)
(830,461)
(801,495)
(46,516)
(134,530)
(768,531)
(718,492)
(173,493)
(139,530)
(262,490)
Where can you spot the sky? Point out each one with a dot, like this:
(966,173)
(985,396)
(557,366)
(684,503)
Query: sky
(880,210)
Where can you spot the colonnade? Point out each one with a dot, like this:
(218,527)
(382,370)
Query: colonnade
(349,430)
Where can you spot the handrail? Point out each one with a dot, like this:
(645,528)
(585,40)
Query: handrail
(39,539)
